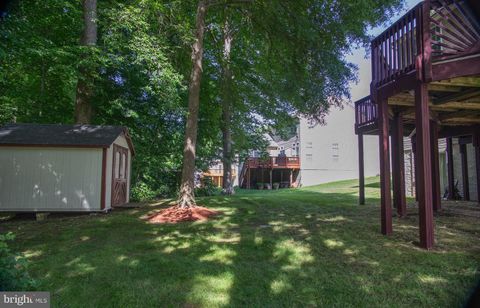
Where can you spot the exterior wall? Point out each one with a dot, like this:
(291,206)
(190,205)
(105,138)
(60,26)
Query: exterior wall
(290,147)
(410,166)
(216,173)
(330,152)
(409,173)
(50,179)
(121,141)
(457,169)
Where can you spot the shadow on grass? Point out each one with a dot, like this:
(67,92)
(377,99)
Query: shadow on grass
(285,248)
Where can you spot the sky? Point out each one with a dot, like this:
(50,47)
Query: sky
(362,88)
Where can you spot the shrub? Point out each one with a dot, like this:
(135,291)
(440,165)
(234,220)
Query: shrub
(13,268)
(208,188)
(142,192)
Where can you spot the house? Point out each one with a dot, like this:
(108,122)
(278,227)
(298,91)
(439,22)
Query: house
(329,152)
(60,168)
(215,174)
(425,85)
(315,154)
(277,170)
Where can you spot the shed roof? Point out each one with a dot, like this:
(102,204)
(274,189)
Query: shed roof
(79,135)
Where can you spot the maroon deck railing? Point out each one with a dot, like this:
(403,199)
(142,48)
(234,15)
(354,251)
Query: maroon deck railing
(274,162)
(395,50)
(434,30)
(365,112)
(268,163)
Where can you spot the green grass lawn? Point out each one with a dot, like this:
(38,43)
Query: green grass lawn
(305,247)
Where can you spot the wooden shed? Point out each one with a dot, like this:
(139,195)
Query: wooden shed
(59,168)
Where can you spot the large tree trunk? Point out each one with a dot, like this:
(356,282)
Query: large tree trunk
(83,104)
(187,198)
(226,96)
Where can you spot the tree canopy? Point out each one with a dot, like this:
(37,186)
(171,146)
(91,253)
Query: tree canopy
(287,59)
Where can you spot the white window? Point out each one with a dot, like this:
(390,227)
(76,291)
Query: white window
(123,167)
(335,152)
(117,165)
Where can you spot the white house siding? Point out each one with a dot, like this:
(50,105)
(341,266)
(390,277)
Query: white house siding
(50,179)
(330,152)
(121,141)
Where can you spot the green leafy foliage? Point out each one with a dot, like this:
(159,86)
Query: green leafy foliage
(13,268)
(287,60)
(208,188)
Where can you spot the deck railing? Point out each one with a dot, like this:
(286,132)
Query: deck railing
(365,112)
(394,51)
(455,30)
(434,30)
(274,162)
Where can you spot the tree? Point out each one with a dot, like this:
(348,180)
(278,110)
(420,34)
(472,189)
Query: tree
(187,186)
(286,59)
(84,92)
(226,101)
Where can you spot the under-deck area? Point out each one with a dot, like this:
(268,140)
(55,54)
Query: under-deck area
(270,173)
(425,86)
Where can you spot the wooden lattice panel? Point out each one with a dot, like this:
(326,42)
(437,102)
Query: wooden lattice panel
(455,29)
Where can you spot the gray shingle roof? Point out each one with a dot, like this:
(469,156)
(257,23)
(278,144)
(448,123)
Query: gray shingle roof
(59,134)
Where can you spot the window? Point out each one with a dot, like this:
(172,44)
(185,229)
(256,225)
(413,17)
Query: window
(335,152)
(117,165)
(122,167)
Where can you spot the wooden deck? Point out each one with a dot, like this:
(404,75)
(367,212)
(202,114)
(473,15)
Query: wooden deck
(254,168)
(437,43)
(426,84)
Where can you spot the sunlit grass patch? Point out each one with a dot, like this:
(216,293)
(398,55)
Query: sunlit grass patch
(313,246)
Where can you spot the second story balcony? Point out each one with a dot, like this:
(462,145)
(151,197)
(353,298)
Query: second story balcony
(366,115)
(435,40)
(436,43)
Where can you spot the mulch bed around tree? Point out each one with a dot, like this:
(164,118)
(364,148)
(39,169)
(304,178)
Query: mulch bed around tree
(175,214)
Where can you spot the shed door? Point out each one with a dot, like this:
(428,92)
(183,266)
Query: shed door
(119,176)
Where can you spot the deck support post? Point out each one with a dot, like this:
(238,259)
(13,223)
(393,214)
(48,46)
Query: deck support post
(386,198)
(248,178)
(424,165)
(291,178)
(450,174)
(271,179)
(476,145)
(465,182)
(436,191)
(361,171)
(398,166)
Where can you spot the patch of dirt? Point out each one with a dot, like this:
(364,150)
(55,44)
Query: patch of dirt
(176,214)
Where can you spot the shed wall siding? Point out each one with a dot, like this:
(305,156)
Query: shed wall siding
(50,179)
